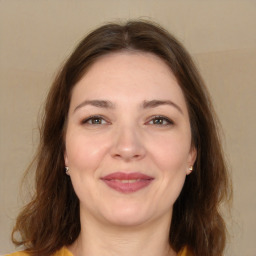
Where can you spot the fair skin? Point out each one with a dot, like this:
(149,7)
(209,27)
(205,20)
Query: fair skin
(127,115)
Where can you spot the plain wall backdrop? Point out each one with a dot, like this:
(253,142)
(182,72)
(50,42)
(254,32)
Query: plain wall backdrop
(37,36)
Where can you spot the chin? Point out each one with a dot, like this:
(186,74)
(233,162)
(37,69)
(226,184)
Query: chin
(127,221)
(126,216)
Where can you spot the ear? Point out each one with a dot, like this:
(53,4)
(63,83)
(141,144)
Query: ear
(66,158)
(191,159)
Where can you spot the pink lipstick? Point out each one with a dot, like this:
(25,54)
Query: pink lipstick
(127,182)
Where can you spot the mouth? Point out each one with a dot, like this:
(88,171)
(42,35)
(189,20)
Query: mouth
(127,182)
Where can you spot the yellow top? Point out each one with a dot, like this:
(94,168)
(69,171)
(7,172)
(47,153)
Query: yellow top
(62,252)
(65,252)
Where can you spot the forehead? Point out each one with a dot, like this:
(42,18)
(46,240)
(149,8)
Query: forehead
(132,63)
(129,75)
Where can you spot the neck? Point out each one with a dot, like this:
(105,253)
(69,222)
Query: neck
(96,238)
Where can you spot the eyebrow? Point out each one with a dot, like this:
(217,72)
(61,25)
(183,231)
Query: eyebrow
(146,104)
(96,103)
(157,103)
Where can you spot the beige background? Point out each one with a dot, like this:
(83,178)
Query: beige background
(36,36)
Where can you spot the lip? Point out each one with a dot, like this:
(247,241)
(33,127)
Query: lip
(127,182)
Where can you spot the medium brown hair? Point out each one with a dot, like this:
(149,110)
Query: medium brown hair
(51,219)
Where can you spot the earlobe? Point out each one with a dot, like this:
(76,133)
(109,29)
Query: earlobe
(189,170)
(66,164)
(191,160)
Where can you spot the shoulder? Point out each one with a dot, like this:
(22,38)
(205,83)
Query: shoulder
(17,254)
(62,252)
(185,252)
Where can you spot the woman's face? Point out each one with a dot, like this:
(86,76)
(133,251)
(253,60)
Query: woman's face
(128,139)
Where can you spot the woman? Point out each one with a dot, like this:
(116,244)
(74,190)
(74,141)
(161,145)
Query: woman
(129,161)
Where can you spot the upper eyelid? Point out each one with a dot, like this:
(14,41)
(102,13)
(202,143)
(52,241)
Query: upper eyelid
(160,117)
(84,120)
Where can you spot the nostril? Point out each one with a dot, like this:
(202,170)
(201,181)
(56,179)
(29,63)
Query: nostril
(127,156)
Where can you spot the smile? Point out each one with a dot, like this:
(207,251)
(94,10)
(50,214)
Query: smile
(127,182)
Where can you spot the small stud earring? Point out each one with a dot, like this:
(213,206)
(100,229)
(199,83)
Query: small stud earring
(190,169)
(67,170)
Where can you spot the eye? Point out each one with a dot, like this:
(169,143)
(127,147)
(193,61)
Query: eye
(94,120)
(160,120)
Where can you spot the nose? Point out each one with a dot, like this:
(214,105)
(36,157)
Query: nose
(128,145)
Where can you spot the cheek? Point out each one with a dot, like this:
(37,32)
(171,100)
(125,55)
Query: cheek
(170,153)
(84,153)
(171,161)
(84,156)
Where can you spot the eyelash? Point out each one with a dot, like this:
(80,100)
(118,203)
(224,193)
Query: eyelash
(90,118)
(163,118)
(153,118)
